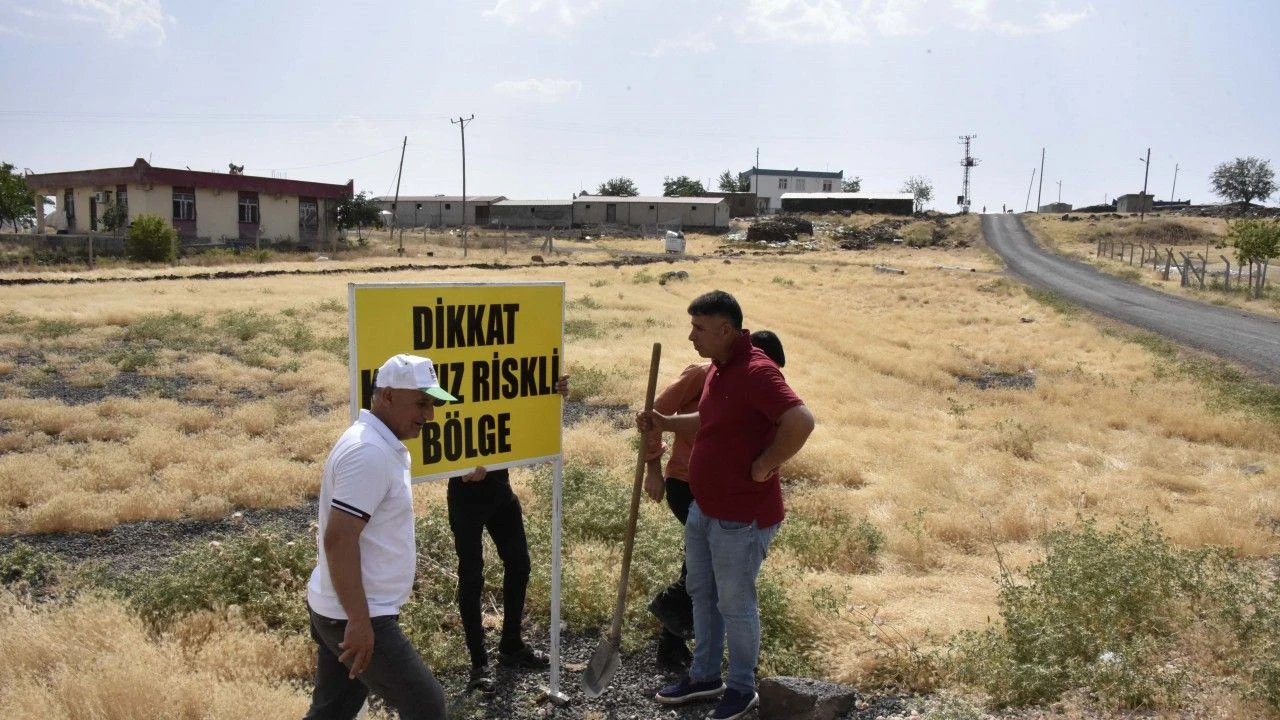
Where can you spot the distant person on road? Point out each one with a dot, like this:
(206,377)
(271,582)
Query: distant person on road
(672,605)
(749,422)
(478,501)
(366,555)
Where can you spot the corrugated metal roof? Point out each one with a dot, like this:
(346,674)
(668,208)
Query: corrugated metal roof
(848,196)
(538,203)
(649,199)
(439,198)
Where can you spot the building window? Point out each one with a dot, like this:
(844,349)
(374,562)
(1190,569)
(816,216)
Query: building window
(826,186)
(800,185)
(448,206)
(122,197)
(184,203)
(308,212)
(782,183)
(249,207)
(651,207)
(69,203)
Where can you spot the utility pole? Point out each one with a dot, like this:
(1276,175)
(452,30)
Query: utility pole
(755,181)
(1029,185)
(1059,192)
(968,163)
(1172,196)
(1142,201)
(396,201)
(461,122)
(1041,188)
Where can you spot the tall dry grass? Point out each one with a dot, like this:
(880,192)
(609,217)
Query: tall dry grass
(890,365)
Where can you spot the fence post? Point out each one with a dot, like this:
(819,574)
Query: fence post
(1204,269)
(1226,278)
(1097,253)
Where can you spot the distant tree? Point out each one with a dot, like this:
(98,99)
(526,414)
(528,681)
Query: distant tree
(151,239)
(357,212)
(731,182)
(683,186)
(1256,243)
(618,187)
(851,185)
(16,200)
(1243,180)
(921,188)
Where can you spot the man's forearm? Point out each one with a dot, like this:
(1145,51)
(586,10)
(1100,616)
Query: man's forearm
(794,428)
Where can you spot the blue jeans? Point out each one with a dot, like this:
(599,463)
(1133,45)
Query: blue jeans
(396,673)
(724,559)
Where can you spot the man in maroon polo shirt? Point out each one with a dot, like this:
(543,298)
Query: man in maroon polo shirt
(748,423)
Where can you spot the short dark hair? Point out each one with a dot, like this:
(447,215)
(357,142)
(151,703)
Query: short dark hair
(770,345)
(720,304)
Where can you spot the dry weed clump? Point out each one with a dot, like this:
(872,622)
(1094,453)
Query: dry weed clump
(64,661)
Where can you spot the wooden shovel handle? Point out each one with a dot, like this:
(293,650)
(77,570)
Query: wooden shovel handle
(615,630)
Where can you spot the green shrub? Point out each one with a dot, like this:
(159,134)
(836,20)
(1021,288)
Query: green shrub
(264,572)
(173,330)
(151,239)
(1102,610)
(25,564)
(837,544)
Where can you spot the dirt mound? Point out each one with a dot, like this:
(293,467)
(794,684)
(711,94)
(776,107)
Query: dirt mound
(780,229)
(1229,211)
(853,238)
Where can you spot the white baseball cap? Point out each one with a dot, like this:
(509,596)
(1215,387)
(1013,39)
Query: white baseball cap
(411,372)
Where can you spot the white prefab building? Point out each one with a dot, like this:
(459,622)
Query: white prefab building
(437,210)
(683,212)
(770,185)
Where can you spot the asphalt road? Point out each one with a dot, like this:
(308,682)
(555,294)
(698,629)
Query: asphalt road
(1250,339)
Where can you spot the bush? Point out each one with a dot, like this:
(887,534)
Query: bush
(151,239)
(1103,610)
(263,572)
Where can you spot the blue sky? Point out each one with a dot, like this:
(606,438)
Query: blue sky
(568,93)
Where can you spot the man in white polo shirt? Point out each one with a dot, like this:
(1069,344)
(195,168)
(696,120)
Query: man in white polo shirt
(367,555)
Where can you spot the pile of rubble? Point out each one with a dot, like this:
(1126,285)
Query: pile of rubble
(779,229)
(1228,211)
(853,238)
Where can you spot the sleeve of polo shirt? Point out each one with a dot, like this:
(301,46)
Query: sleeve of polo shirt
(684,390)
(360,480)
(770,393)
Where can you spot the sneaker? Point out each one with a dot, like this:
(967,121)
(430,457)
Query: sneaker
(675,611)
(687,691)
(734,705)
(481,679)
(673,653)
(526,658)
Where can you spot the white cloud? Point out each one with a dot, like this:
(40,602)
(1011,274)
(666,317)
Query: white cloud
(545,90)
(689,45)
(1018,17)
(900,17)
(566,12)
(801,21)
(144,20)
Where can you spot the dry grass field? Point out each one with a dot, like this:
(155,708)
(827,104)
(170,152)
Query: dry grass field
(957,415)
(1197,236)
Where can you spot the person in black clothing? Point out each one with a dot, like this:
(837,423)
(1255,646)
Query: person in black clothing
(478,501)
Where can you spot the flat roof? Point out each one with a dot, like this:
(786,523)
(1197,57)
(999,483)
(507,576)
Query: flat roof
(797,173)
(538,203)
(143,173)
(649,199)
(847,196)
(439,198)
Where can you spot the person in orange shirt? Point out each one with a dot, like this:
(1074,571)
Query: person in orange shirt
(672,605)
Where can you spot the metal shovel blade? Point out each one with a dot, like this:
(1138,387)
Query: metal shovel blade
(604,663)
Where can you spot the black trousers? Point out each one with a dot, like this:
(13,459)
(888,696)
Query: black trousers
(396,673)
(489,505)
(679,498)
